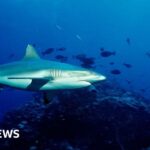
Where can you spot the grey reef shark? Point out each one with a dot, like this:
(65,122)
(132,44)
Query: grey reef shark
(35,74)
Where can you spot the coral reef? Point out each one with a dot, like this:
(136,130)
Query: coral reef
(104,118)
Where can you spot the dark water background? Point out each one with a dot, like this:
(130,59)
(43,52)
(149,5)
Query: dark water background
(82,27)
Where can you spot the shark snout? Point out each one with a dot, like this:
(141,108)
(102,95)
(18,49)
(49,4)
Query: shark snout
(101,77)
(95,77)
(98,78)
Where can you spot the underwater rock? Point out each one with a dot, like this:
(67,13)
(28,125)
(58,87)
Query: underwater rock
(111,63)
(33,148)
(109,119)
(22,124)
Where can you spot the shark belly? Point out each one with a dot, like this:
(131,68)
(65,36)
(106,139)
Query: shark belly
(65,85)
(17,83)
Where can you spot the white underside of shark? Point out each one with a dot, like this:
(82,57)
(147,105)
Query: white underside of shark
(35,74)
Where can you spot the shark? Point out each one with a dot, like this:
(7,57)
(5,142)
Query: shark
(36,74)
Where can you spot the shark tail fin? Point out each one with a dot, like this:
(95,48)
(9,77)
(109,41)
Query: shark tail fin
(31,53)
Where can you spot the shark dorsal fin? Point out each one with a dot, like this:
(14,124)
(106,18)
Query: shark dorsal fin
(31,53)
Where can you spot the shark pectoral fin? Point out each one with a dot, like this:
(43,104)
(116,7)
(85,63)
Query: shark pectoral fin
(36,84)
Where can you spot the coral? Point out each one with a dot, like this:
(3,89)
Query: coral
(107,118)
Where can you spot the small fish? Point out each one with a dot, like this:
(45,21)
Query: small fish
(111,63)
(128,41)
(87,62)
(106,53)
(58,27)
(128,81)
(115,72)
(85,59)
(61,49)
(127,65)
(11,56)
(61,58)
(148,54)
(78,37)
(102,49)
(48,51)
(84,65)
(80,57)
(143,90)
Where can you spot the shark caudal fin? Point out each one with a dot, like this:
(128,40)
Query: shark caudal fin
(31,53)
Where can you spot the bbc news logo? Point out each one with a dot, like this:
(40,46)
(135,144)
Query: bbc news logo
(10,134)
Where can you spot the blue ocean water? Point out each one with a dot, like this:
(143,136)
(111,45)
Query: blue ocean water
(82,27)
